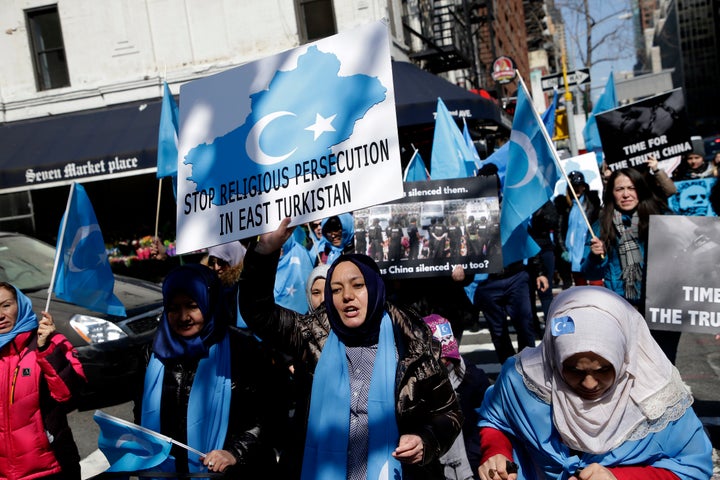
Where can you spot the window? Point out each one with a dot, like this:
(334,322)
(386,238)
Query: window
(48,49)
(316,19)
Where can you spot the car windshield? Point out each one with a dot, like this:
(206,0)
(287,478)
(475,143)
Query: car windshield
(25,262)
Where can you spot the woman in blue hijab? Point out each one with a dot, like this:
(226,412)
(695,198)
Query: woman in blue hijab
(205,383)
(381,404)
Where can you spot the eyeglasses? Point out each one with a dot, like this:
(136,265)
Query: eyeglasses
(212,261)
(336,234)
(314,225)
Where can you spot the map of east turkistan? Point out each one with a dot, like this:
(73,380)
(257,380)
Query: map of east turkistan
(302,114)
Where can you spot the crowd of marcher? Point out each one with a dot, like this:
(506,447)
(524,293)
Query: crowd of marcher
(363,378)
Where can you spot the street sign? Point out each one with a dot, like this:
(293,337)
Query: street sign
(576,77)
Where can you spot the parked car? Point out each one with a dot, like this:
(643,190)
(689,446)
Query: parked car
(109,347)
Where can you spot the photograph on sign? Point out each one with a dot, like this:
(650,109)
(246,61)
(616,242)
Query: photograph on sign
(693,197)
(683,299)
(656,126)
(585,164)
(307,133)
(435,226)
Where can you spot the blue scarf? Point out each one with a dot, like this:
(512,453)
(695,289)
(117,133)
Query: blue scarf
(25,321)
(576,235)
(208,407)
(327,439)
(348,236)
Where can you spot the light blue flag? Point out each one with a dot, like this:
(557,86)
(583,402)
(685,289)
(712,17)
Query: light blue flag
(471,146)
(529,182)
(167,154)
(84,276)
(450,157)
(293,270)
(416,171)
(129,447)
(607,101)
(500,157)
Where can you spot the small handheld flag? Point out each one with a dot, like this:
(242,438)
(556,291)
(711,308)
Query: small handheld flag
(129,447)
(82,270)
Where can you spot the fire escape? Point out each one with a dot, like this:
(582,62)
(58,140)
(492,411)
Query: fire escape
(445,29)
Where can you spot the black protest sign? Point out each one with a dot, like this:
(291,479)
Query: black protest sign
(656,126)
(434,227)
(688,298)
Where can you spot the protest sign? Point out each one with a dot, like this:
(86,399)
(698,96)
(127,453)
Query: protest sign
(435,226)
(688,298)
(308,133)
(693,197)
(585,163)
(655,126)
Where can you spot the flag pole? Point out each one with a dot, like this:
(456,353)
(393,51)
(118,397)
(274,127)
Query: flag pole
(58,251)
(155,434)
(157,209)
(555,154)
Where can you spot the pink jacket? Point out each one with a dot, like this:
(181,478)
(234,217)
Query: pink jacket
(35,390)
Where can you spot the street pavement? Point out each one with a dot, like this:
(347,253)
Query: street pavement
(698,361)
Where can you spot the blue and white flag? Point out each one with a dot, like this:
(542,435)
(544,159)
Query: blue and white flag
(416,171)
(529,183)
(84,276)
(167,154)
(450,157)
(293,270)
(129,447)
(500,157)
(607,101)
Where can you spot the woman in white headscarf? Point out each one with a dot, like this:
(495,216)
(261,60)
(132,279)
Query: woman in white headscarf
(597,399)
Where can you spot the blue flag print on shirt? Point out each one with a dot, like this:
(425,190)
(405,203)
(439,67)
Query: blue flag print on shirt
(292,126)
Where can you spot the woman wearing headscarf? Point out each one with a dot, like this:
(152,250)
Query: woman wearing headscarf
(381,402)
(41,373)
(204,383)
(338,237)
(618,252)
(596,399)
(315,286)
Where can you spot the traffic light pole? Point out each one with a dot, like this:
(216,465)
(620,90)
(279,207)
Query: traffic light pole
(569,108)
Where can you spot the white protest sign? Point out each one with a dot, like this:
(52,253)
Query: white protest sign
(308,133)
(585,163)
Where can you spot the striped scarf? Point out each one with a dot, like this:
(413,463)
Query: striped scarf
(631,261)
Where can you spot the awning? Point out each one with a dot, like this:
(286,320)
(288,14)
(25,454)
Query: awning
(417,91)
(91,145)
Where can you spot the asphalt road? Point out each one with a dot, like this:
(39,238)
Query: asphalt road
(698,361)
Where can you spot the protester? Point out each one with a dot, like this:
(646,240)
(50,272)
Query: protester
(42,375)
(405,414)
(506,294)
(338,237)
(315,286)
(572,228)
(693,165)
(470,383)
(206,384)
(618,253)
(595,399)
(226,260)
(543,223)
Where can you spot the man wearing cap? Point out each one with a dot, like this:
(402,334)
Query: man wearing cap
(572,229)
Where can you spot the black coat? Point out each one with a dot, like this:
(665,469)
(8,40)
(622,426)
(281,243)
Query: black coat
(426,404)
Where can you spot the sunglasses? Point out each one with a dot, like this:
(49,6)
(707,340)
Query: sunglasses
(212,261)
(314,225)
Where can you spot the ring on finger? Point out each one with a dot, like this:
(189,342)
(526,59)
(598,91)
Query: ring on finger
(211,464)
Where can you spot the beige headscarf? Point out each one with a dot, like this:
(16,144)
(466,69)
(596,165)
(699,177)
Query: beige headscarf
(648,391)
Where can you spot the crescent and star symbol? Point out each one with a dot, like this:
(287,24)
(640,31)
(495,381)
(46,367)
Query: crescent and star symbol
(523,141)
(252,142)
(82,233)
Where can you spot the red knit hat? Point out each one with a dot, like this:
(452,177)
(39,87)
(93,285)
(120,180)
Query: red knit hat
(442,331)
